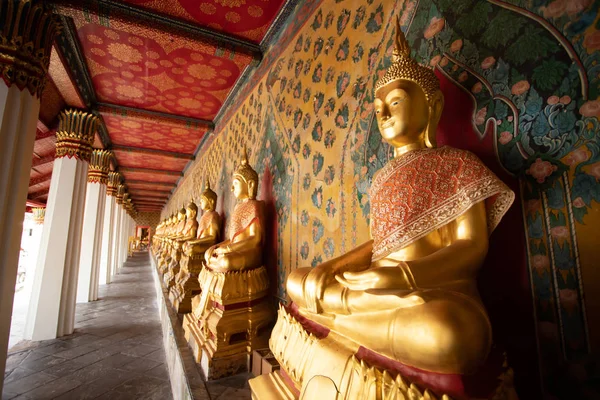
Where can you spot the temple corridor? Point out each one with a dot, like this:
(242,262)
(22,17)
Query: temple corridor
(116,351)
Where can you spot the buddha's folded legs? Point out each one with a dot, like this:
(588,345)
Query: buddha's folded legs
(435,330)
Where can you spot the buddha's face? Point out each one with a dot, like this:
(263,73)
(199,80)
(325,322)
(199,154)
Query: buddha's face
(203,203)
(239,189)
(190,213)
(402,112)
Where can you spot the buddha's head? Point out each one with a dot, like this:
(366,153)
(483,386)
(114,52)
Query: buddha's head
(191,210)
(245,180)
(208,199)
(181,214)
(408,101)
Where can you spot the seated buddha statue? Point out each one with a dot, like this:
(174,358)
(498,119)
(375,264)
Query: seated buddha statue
(230,316)
(186,283)
(187,228)
(409,295)
(243,249)
(161,252)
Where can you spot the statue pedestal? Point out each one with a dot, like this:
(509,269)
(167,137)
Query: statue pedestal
(173,266)
(230,319)
(163,259)
(186,285)
(319,363)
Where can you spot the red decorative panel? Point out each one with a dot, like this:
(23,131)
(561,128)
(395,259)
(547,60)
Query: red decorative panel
(149,186)
(143,67)
(44,147)
(152,161)
(149,177)
(63,81)
(249,19)
(44,168)
(152,132)
(39,186)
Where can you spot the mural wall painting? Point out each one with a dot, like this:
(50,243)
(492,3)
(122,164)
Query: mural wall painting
(529,69)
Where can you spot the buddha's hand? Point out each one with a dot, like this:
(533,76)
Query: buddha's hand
(322,276)
(209,252)
(376,278)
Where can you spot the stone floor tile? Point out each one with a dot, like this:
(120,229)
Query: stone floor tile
(164,392)
(42,363)
(140,350)
(18,373)
(75,352)
(234,394)
(158,355)
(53,389)
(13,360)
(140,365)
(28,383)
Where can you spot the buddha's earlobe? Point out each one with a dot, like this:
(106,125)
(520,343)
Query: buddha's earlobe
(435,113)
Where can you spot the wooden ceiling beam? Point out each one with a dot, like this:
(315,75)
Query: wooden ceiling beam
(164,153)
(134,182)
(120,110)
(151,171)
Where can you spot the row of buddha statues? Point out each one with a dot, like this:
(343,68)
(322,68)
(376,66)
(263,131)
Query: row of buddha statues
(220,287)
(400,316)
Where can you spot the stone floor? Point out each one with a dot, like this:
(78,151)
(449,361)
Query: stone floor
(116,351)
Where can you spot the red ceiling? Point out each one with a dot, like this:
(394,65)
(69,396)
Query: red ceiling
(149,176)
(134,66)
(152,133)
(248,19)
(132,159)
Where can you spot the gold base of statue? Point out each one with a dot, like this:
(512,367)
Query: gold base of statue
(230,319)
(328,368)
(186,283)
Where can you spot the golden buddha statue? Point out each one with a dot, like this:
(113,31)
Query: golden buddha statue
(186,283)
(405,303)
(232,314)
(177,225)
(161,252)
(186,230)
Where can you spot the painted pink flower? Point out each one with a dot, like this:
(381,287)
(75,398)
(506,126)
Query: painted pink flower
(590,108)
(463,76)
(455,68)
(480,116)
(553,100)
(435,60)
(488,62)
(554,9)
(592,41)
(533,205)
(594,170)
(540,170)
(456,45)
(578,202)
(435,27)
(540,263)
(505,137)
(444,61)
(568,298)
(520,87)
(577,156)
(565,100)
(477,88)
(559,232)
(510,118)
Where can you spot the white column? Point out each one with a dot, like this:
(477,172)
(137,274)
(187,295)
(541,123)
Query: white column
(114,179)
(19,110)
(52,307)
(117,232)
(93,223)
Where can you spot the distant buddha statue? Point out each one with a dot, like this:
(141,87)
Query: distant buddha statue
(177,227)
(231,315)
(408,298)
(186,283)
(186,232)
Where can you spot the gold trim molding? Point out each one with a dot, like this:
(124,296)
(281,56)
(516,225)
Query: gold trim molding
(38,214)
(28,30)
(114,179)
(99,166)
(75,134)
(120,193)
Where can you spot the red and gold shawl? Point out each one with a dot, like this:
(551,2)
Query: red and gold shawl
(424,190)
(244,213)
(205,221)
